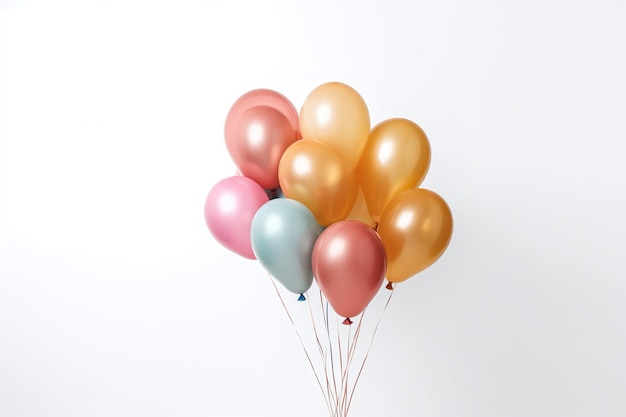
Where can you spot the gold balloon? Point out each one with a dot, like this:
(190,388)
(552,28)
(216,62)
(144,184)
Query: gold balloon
(315,175)
(359,211)
(396,158)
(335,114)
(415,228)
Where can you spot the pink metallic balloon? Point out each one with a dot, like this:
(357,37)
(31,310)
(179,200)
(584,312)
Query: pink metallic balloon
(229,209)
(265,97)
(257,141)
(349,264)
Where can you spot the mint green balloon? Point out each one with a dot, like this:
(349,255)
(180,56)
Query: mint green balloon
(283,234)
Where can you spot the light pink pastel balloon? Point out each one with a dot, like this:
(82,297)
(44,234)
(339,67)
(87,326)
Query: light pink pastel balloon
(229,209)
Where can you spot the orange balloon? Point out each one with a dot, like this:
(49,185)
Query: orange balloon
(335,114)
(415,228)
(313,174)
(359,211)
(396,158)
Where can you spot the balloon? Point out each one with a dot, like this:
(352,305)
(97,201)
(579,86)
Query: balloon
(264,97)
(229,209)
(415,228)
(335,114)
(313,174)
(396,158)
(349,266)
(257,142)
(283,233)
(359,211)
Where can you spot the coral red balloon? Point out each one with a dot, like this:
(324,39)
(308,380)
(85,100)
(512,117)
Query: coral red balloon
(349,264)
(265,97)
(257,141)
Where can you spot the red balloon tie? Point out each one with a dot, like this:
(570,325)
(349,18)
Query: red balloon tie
(389,286)
(347,321)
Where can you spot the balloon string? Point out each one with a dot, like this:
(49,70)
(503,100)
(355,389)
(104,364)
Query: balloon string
(368,349)
(351,350)
(328,352)
(356,336)
(301,343)
(330,345)
(321,350)
(337,406)
(344,379)
(344,374)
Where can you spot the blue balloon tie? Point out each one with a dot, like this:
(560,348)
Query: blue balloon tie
(301,298)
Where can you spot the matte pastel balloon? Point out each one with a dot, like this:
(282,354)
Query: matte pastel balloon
(283,234)
(396,158)
(349,265)
(336,114)
(257,141)
(416,228)
(313,174)
(228,210)
(265,97)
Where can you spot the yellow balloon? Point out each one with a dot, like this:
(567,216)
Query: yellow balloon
(415,228)
(315,175)
(335,114)
(359,211)
(396,158)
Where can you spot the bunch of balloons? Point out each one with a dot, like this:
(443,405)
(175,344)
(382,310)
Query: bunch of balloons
(323,196)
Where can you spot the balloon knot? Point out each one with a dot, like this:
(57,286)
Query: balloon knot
(347,321)
(301,298)
(273,193)
(389,286)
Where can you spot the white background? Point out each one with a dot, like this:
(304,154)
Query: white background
(116,301)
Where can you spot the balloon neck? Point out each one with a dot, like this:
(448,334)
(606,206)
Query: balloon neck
(347,321)
(376,227)
(389,286)
(301,298)
(273,193)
